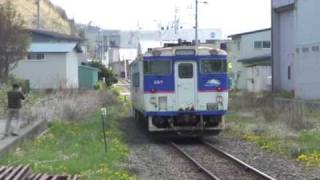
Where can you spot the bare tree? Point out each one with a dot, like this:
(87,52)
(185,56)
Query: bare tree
(14,40)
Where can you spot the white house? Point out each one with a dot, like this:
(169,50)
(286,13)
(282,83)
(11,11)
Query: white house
(50,66)
(251,60)
(296,44)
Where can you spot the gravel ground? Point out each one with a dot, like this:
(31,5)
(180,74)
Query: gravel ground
(152,160)
(220,166)
(272,164)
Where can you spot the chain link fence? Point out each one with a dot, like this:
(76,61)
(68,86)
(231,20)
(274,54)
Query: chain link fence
(297,114)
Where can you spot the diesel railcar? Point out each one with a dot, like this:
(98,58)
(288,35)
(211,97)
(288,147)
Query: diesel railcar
(181,89)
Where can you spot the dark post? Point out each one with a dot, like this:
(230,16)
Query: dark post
(103,118)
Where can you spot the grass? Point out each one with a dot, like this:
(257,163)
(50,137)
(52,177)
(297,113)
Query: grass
(276,136)
(78,148)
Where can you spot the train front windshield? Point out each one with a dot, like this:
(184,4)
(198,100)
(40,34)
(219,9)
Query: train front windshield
(157,67)
(213,66)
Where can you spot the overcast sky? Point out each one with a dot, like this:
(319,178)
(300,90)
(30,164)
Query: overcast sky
(232,16)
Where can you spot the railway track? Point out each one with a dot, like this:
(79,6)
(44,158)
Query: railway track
(217,164)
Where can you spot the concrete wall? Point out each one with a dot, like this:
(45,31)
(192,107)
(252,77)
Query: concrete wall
(119,68)
(296,45)
(307,62)
(43,74)
(259,78)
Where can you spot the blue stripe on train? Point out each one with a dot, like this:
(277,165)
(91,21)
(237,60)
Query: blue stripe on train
(159,83)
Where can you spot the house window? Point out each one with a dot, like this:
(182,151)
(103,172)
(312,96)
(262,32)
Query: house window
(289,73)
(305,49)
(262,44)
(266,44)
(36,56)
(258,44)
(315,48)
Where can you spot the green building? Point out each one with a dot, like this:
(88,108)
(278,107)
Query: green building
(88,77)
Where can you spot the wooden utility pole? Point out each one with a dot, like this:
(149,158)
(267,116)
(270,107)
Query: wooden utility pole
(38,14)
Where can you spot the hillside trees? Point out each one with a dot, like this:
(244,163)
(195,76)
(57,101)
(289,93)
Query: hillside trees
(14,40)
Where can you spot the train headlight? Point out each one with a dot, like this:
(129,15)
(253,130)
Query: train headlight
(219,100)
(153,100)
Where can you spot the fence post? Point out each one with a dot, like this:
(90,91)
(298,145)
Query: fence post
(103,118)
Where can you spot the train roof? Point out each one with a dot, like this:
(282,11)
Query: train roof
(185,50)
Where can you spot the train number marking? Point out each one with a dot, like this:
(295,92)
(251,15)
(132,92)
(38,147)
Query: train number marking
(158,82)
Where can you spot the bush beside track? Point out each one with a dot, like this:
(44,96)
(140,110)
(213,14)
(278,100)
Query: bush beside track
(288,127)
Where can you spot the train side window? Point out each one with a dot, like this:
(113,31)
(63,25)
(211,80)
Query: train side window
(136,79)
(185,70)
(213,66)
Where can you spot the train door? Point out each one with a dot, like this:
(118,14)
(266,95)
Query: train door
(186,81)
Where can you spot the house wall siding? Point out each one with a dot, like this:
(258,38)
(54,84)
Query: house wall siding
(43,74)
(247,50)
(247,44)
(72,65)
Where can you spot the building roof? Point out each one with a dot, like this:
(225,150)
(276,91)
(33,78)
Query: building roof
(256,61)
(54,47)
(55,35)
(246,33)
(89,68)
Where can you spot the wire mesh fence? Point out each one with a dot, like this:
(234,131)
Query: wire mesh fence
(297,114)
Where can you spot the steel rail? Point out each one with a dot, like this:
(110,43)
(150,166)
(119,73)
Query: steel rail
(244,165)
(203,169)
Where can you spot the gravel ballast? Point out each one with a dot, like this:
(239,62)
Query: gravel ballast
(150,159)
(273,164)
(154,160)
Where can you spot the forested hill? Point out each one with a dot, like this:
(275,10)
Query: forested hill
(52,17)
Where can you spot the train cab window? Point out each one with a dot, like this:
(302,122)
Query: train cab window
(213,66)
(185,70)
(157,67)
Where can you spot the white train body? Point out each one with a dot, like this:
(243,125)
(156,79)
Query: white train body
(181,89)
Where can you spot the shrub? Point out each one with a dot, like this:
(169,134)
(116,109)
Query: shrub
(105,74)
(70,105)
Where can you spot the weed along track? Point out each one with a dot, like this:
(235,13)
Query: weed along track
(217,164)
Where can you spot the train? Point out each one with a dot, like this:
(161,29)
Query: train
(180,89)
